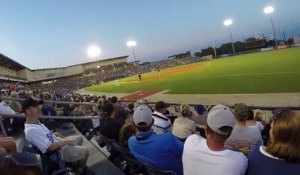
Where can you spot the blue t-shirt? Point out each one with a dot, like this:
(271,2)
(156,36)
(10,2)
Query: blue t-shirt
(259,163)
(163,151)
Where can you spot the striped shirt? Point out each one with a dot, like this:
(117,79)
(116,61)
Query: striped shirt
(162,124)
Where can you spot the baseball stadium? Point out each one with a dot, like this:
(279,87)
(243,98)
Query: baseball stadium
(183,101)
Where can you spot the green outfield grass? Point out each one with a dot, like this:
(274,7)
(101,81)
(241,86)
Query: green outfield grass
(266,72)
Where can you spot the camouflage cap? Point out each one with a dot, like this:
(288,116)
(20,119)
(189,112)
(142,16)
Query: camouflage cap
(241,111)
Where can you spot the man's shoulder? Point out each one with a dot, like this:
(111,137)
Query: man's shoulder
(164,138)
(34,128)
(241,132)
(167,135)
(131,139)
(236,156)
(31,128)
(193,139)
(158,115)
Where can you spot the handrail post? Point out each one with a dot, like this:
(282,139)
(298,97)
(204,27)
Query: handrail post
(2,128)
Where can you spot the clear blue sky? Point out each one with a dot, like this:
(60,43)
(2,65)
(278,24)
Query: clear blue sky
(54,33)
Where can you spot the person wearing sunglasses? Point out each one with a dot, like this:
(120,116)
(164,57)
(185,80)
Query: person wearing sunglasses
(282,153)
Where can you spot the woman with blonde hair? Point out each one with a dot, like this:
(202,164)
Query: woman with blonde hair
(183,126)
(282,153)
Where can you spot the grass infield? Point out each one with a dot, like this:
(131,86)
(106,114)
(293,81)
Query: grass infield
(265,72)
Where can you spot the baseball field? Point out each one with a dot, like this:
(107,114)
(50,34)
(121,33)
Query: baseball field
(264,72)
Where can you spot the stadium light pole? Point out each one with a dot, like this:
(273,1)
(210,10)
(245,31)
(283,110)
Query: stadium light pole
(93,51)
(268,11)
(132,44)
(227,23)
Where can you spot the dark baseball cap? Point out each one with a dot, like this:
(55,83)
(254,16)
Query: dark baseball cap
(30,102)
(160,105)
(200,108)
(108,109)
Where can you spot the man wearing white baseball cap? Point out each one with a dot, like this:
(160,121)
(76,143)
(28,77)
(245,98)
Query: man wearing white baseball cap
(162,151)
(209,156)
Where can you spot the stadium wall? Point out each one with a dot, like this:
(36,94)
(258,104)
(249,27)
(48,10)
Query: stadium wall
(7,72)
(52,73)
(93,65)
(23,74)
(297,41)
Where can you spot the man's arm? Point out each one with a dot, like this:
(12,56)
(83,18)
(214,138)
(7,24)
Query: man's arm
(177,146)
(57,145)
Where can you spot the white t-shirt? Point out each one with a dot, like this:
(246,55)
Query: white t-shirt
(199,159)
(40,136)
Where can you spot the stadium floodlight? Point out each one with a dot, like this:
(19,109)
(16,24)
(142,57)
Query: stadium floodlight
(268,11)
(132,44)
(227,23)
(93,51)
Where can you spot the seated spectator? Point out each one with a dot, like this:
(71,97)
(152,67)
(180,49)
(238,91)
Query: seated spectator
(4,107)
(41,137)
(183,126)
(141,102)
(78,110)
(48,110)
(84,126)
(258,117)
(162,124)
(126,132)
(7,122)
(251,122)
(120,113)
(209,156)
(265,133)
(13,104)
(200,117)
(17,123)
(243,138)
(21,164)
(8,145)
(162,151)
(130,109)
(109,126)
(282,154)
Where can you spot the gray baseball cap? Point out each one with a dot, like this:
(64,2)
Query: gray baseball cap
(142,116)
(220,116)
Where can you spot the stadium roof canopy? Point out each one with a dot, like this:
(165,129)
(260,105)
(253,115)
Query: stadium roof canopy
(181,55)
(11,64)
(109,59)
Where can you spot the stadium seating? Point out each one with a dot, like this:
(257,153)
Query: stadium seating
(52,162)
